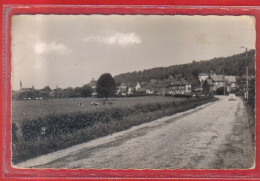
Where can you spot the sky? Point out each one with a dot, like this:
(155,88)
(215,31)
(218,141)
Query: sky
(70,50)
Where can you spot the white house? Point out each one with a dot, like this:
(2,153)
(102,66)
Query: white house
(138,86)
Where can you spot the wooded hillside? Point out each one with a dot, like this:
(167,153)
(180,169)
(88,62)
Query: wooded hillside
(232,65)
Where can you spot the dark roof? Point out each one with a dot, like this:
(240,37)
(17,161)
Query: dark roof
(209,82)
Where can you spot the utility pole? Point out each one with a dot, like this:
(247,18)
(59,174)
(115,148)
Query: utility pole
(164,87)
(246,96)
(224,82)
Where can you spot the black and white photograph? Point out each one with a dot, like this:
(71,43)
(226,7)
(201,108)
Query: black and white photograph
(133,91)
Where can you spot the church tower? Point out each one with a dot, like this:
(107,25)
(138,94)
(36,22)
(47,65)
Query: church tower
(21,85)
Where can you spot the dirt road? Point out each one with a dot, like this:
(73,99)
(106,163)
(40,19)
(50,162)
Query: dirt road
(211,136)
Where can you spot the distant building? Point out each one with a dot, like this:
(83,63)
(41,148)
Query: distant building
(141,90)
(122,89)
(138,86)
(208,85)
(22,89)
(231,80)
(180,88)
(130,91)
(52,93)
(213,82)
(203,76)
(172,86)
(218,81)
(149,91)
(93,83)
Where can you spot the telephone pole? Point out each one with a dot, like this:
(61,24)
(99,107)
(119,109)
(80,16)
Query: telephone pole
(246,95)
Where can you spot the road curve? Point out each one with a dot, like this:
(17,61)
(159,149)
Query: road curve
(212,136)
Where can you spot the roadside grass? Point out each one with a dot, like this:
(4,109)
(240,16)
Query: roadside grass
(250,108)
(48,133)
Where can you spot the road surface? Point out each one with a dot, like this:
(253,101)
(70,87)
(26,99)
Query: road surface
(212,136)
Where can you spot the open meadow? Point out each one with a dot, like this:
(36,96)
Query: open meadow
(32,109)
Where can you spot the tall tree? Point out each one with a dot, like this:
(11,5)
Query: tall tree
(106,85)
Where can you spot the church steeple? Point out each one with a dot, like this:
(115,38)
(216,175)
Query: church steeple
(21,85)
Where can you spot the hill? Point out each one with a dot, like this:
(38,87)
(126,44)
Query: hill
(232,65)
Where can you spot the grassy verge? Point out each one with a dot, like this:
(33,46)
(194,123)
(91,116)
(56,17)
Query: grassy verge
(250,108)
(54,132)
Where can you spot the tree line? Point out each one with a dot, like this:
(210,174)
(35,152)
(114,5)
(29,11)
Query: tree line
(232,65)
(47,92)
(105,87)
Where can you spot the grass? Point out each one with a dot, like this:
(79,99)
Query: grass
(250,108)
(69,128)
(32,109)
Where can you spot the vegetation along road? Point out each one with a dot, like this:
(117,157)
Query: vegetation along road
(215,135)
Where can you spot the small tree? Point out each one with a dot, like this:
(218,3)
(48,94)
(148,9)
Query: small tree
(106,85)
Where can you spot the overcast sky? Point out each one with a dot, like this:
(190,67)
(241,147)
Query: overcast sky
(70,50)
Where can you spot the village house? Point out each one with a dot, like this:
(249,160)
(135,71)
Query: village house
(171,86)
(213,82)
(141,90)
(138,86)
(180,88)
(52,93)
(122,89)
(130,91)
(230,82)
(149,91)
(203,76)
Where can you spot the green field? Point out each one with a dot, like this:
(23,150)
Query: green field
(32,109)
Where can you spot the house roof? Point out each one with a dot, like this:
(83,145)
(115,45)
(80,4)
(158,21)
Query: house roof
(203,74)
(122,89)
(142,89)
(230,78)
(27,89)
(209,81)
(150,88)
(217,78)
